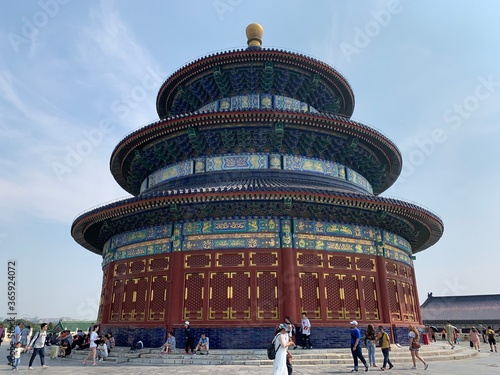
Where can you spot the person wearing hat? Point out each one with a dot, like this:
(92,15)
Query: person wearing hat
(356,347)
(282,364)
(189,338)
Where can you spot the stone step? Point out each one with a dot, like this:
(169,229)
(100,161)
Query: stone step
(257,357)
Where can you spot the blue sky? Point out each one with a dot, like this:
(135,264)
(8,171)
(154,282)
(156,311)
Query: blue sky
(77,76)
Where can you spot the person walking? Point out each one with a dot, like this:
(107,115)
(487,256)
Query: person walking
(474,339)
(17,356)
(370,335)
(414,337)
(385,346)
(356,347)
(281,364)
(93,346)
(490,333)
(38,345)
(450,334)
(306,332)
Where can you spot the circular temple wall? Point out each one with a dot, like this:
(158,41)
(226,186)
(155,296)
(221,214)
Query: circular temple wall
(236,278)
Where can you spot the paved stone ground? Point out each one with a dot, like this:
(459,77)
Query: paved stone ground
(486,363)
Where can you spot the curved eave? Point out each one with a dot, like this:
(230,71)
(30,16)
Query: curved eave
(375,141)
(405,211)
(204,65)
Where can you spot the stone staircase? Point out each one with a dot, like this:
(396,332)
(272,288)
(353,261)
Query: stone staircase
(258,357)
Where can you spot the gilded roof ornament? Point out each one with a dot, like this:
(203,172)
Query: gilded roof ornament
(254,33)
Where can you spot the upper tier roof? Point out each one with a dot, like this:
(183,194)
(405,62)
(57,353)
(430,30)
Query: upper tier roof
(252,71)
(336,138)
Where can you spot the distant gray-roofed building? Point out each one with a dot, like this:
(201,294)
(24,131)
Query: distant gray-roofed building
(462,311)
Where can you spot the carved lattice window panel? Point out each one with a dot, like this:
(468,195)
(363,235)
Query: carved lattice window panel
(140,299)
(267,295)
(240,295)
(340,262)
(365,264)
(137,267)
(116,300)
(198,260)
(120,269)
(134,299)
(403,271)
(391,268)
(370,298)
(264,259)
(392,288)
(230,260)
(309,293)
(409,303)
(158,298)
(194,293)
(351,297)
(309,259)
(159,264)
(334,306)
(220,283)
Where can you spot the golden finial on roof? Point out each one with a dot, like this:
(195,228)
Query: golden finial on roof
(254,33)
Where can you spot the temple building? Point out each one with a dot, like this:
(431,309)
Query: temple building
(463,312)
(255,197)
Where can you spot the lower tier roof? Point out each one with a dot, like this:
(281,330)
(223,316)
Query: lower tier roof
(265,197)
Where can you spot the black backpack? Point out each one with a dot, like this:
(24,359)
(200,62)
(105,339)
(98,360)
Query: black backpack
(271,352)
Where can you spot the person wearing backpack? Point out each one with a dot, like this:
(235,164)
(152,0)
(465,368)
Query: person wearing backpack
(491,339)
(281,343)
(38,345)
(383,339)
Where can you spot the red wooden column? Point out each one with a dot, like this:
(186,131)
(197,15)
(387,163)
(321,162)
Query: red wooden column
(384,301)
(289,285)
(106,293)
(175,294)
(417,301)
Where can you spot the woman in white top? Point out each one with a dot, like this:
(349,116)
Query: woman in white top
(93,346)
(414,336)
(281,343)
